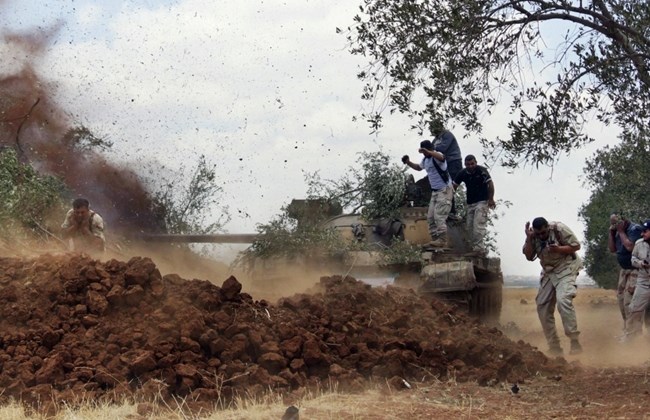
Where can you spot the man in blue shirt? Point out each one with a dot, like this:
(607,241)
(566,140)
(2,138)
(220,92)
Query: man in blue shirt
(622,236)
(445,142)
(641,297)
(435,165)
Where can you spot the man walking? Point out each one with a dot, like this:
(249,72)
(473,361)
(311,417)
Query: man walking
(622,236)
(480,199)
(435,165)
(555,245)
(84,228)
(641,297)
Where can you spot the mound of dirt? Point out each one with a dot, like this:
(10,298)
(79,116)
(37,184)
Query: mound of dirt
(74,328)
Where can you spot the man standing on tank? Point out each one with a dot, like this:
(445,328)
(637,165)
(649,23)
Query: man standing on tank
(445,142)
(555,245)
(480,199)
(434,163)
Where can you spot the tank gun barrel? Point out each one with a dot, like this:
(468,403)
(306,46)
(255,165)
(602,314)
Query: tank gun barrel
(225,238)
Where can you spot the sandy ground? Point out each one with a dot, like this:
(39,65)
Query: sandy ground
(599,321)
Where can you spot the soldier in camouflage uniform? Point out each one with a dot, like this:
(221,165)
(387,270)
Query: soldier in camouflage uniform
(555,245)
(442,192)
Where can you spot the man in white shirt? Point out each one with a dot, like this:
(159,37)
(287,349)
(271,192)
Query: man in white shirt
(442,192)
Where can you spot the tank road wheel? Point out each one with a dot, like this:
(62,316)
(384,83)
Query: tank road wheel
(486,302)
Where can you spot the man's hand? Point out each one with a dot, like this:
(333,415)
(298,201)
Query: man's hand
(554,248)
(492,204)
(79,219)
(81,224)
(612,225)
(405,159)
(530,234)
(621,227)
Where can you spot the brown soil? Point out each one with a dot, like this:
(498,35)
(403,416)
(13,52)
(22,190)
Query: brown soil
(75,329)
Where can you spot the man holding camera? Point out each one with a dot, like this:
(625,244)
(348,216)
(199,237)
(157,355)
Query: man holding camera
(641,297)
(442,192)
(555,245)
(622,236)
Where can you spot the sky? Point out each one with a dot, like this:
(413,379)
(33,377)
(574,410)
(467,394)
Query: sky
(266,90)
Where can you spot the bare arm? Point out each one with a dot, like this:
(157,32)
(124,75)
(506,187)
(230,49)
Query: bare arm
(433,153)
(411,165)
(528,249)
(621,228)
(563,249)
(491,203)
(611,240)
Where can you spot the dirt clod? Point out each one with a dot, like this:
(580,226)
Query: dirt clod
(72,326)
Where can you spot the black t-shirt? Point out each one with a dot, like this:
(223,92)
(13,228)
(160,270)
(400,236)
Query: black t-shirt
(476,183)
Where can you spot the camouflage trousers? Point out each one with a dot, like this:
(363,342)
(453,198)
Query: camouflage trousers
(625,290)
(477,217)
(558,289)
(439,208)
(638,305)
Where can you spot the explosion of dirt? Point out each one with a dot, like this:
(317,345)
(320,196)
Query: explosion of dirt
(39,130)
(74,328)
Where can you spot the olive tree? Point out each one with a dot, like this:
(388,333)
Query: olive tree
(184,201)
(27,197)
(375,188)
(617,177)
(458,59)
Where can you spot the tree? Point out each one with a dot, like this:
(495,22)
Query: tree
(80,139)
(376,188)
(618,177)
(186,207)
(466,56)
(287,237)
(27,198)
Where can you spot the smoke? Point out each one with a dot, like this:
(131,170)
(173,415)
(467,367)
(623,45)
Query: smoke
(39,130)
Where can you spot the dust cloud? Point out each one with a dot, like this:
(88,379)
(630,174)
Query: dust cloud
(43,134)
(599,322)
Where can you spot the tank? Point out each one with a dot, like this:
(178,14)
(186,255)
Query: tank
(469,279)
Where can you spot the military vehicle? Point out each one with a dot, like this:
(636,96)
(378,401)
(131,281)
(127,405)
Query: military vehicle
(469,279)
(455,274)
